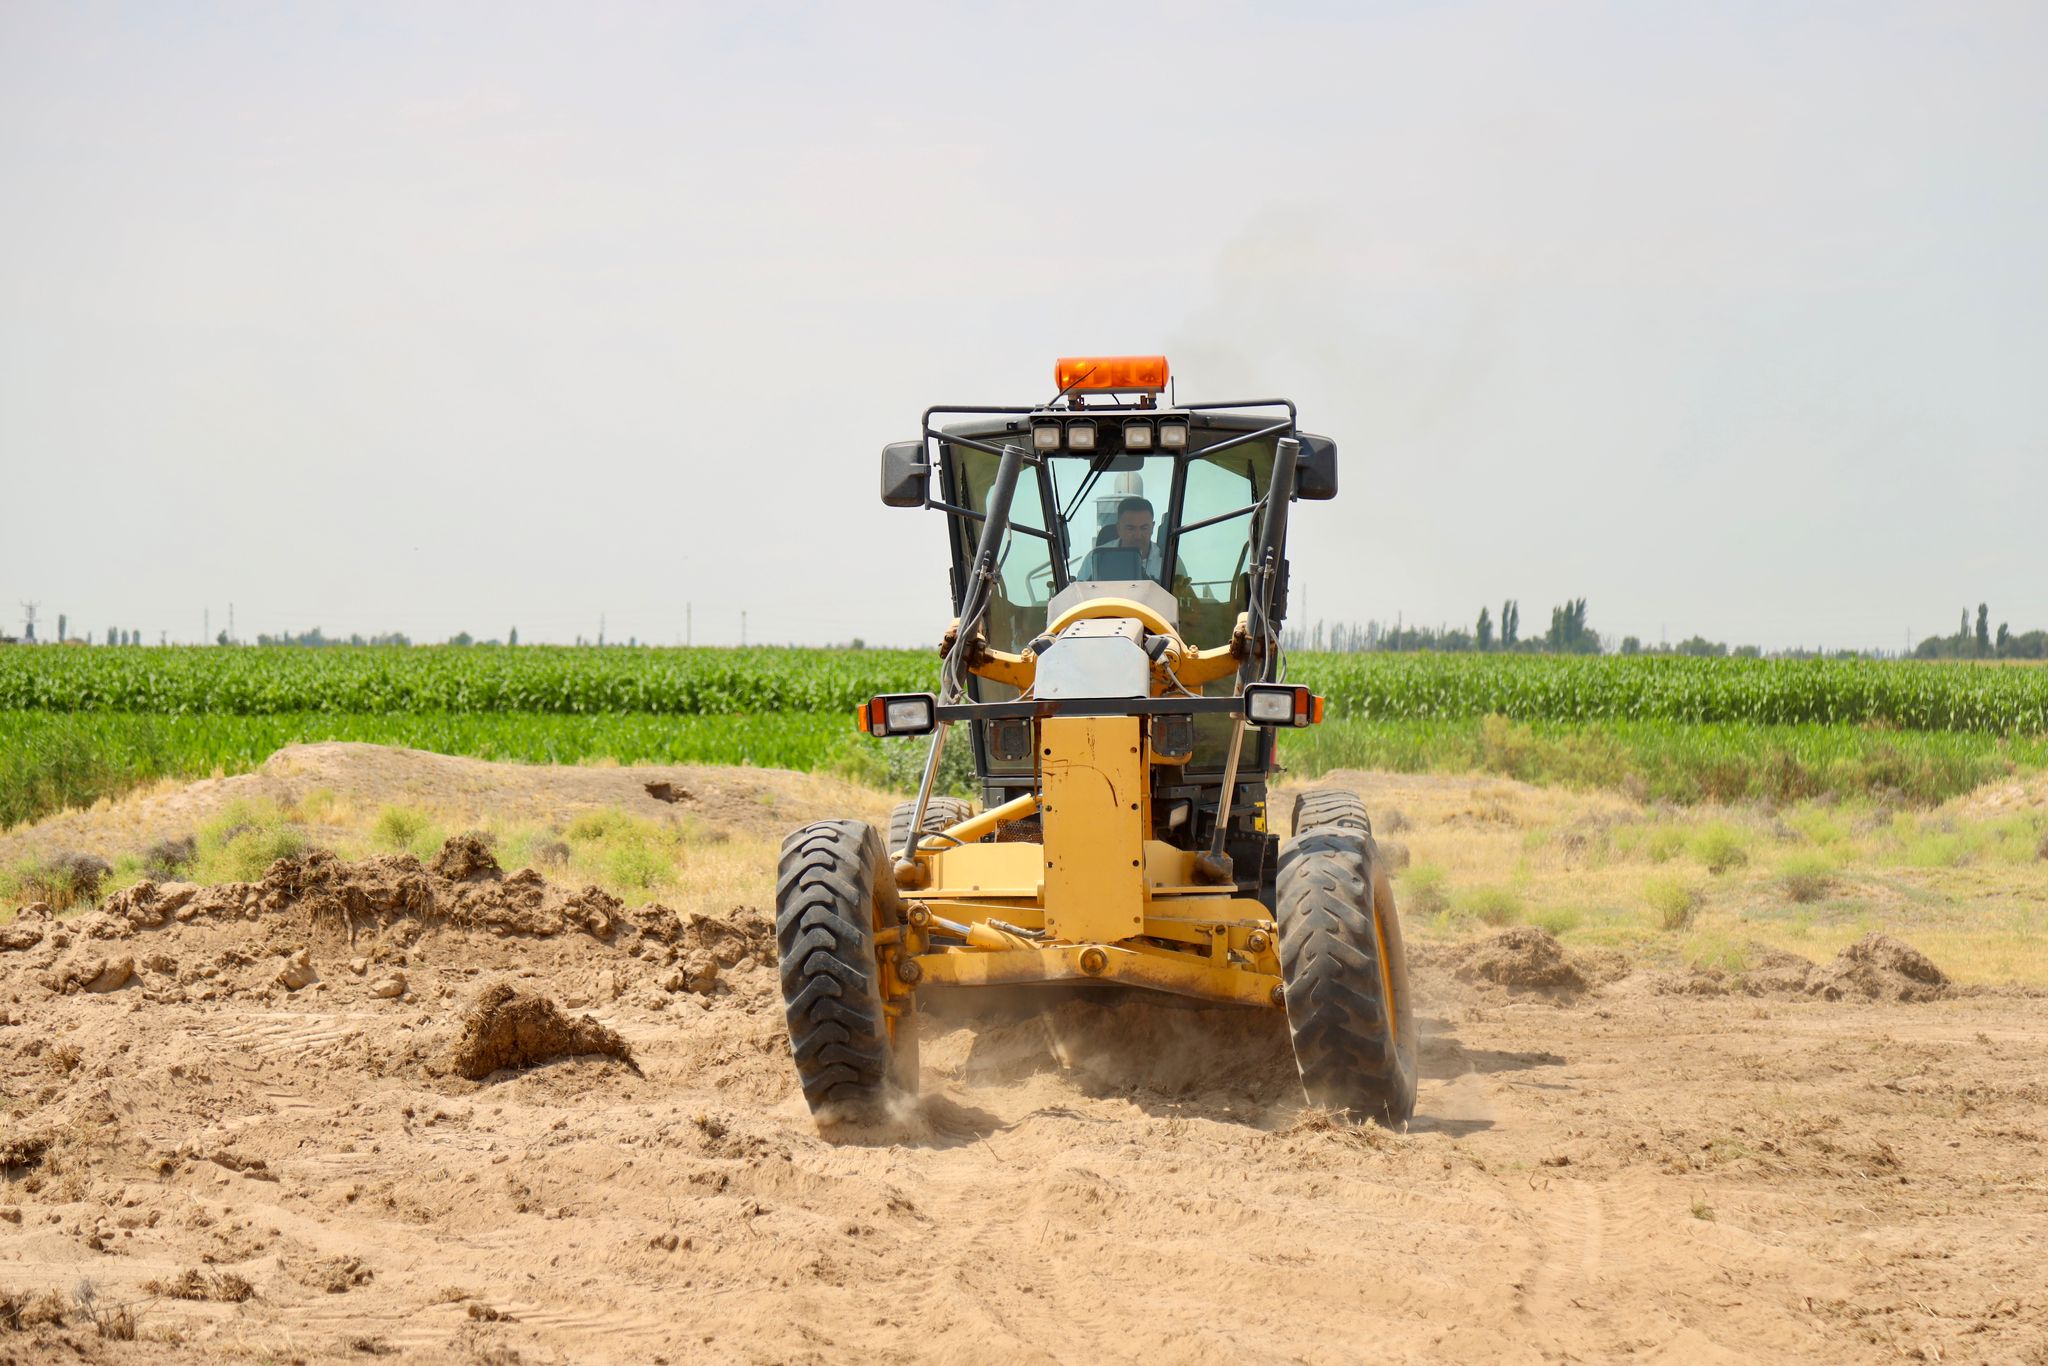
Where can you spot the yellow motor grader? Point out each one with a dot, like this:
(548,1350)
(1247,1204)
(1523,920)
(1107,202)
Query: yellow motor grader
(1120,578)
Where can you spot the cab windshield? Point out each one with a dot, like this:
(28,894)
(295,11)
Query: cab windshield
(1120,517)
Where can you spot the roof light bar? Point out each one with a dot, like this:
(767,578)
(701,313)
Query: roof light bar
(1111,374)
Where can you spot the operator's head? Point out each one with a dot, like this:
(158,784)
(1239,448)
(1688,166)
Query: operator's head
(1134,524)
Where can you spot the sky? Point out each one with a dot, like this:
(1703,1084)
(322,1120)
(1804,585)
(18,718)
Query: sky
(441,317)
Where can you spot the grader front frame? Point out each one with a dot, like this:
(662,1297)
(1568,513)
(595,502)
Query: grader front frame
(1118,665)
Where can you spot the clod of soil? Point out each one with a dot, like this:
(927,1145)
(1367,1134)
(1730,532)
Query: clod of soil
(1522,959)
(466,858)
(509,1028)
(91,972)
(297,971)
(1878,967)
(225,1287)
(21,1151)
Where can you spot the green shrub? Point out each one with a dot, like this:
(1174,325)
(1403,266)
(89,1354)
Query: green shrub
(249,854)
(603,823)
(638,865)
(1806,877)
(62,881)
(1422,890)
(1939,849)
(1720,847)
(1665,843)
(1717,951)
(1556,920)
(1489,905)
(1674,900)
(397,827)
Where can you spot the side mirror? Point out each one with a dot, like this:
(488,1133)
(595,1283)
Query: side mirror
(906,474)
(1315,474)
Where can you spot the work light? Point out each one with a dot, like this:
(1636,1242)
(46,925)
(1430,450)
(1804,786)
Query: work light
(1280,704)
(1080,436)
(1045,436)
(1173,435)
(914,713)
(1137,436)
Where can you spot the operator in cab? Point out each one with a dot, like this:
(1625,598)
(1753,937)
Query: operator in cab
(1132,554)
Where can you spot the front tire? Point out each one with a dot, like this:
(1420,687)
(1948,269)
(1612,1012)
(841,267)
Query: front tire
(1345,975)
(850,1051)
(1323,806)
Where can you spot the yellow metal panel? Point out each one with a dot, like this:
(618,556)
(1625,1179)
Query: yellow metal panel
(1216,910)
(1093,811)
(1013,870)
(1183,974)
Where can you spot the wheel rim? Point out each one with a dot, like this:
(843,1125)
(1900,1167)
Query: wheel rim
(1379,929)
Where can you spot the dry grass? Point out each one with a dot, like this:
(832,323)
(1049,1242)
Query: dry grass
(1599,870)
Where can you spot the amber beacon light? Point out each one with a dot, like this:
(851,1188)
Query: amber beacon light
(1120,374)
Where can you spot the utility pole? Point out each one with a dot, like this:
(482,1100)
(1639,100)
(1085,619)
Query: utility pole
(231,623)
(600,628)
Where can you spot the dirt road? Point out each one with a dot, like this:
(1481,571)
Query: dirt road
(231,1113)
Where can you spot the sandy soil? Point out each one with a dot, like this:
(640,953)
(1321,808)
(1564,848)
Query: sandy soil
(240,1114)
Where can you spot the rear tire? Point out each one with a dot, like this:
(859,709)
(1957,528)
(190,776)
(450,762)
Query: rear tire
(848,1051)
(939,813)
(1345,975)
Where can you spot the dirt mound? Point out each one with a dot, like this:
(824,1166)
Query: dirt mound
(1521,959)
(466,858)
(508,1028)
(375,890)
(1774,972)
(1878,967)
(387,929)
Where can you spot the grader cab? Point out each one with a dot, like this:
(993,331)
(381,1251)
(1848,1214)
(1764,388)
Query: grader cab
(1119,581)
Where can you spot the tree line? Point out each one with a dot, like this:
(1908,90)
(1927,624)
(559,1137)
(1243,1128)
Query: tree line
(1570,634)
(1982,643)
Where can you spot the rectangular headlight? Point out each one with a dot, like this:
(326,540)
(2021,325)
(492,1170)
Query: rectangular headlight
(1137,436)
(1280,704)
(913,713)
(1045,436)
(1080,436)
(1173,435)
